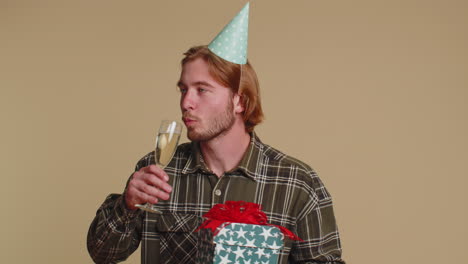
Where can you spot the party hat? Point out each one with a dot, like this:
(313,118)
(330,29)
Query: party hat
(231,43)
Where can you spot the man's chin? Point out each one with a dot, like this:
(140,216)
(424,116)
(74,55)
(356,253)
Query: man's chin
(194,136)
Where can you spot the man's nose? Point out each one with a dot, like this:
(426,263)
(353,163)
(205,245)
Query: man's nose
(187,101)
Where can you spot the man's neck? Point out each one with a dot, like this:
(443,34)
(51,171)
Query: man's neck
(225,152)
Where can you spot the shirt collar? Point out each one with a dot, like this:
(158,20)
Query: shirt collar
(249,164)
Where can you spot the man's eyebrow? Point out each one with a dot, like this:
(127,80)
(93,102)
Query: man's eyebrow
(180,84)
(203,83)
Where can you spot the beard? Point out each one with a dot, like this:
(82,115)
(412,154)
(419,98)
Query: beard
(216,126)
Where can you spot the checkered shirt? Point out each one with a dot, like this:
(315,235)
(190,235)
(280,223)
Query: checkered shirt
(289,191)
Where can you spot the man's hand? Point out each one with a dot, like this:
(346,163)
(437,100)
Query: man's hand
(148,185)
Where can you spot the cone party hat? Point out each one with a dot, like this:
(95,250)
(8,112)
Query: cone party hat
(231,43)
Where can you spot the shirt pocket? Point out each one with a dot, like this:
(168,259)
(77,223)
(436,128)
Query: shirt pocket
(178,239)
(178,223)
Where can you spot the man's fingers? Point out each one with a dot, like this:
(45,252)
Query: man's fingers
(146,198)
(144,194)
(151,179)
(148,185)
(134,196)
(156,170)
(153,191)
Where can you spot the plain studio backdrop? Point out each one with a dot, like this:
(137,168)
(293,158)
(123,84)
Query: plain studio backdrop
(372,94)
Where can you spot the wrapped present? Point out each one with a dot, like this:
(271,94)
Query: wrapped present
(239,233)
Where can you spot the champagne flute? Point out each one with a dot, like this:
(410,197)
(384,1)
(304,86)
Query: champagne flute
(166,144)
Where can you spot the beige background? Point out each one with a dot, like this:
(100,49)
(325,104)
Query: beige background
(372,94)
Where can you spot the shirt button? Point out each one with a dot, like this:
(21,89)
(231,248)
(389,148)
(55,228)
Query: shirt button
(218,192)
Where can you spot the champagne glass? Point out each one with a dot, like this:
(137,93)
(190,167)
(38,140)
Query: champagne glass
(166,144)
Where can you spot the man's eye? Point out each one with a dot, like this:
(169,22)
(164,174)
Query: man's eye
(183,90)
(201,90)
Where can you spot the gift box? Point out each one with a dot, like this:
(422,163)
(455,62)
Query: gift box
(238,233)
(246,243)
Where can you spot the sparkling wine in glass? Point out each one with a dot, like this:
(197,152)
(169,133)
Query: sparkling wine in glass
(166,144)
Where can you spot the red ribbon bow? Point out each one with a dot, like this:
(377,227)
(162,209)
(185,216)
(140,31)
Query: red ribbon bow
(239,212)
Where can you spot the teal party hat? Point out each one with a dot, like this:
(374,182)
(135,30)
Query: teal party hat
(231,43)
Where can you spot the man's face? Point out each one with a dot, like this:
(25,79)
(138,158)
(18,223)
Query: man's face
(207,106)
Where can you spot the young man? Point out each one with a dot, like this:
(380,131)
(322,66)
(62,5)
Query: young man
(225,161)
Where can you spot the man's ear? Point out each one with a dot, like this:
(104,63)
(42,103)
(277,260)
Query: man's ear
(238,103)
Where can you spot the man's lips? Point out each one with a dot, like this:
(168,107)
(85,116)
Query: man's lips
(189,121)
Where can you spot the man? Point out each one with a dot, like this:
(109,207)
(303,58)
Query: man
(225,161)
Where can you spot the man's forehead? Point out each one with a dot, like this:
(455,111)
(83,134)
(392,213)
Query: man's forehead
(195,73)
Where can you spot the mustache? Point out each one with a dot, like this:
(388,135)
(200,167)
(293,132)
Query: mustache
(188,115)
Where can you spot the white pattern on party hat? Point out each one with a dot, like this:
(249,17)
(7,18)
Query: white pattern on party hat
(231,43)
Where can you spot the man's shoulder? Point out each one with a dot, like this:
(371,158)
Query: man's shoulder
(280,158)
(293,170)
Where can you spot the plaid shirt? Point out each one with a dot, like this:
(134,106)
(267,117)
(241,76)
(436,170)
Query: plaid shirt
(289,191)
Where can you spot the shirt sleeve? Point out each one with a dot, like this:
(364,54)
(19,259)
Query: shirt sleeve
(115,232)
(321,240)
